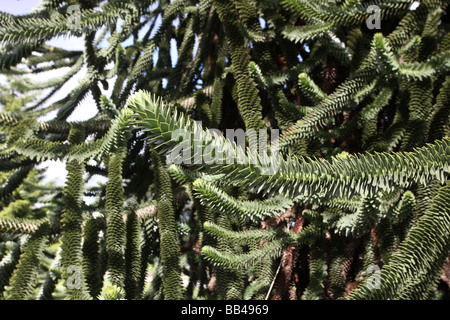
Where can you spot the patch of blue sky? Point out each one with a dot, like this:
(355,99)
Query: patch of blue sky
(173,52)
(176,22)
(263,23)
(155,29)
(414,5)
(196,45)
(19,7)
(155,57)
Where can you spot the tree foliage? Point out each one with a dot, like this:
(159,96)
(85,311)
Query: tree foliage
(358,206)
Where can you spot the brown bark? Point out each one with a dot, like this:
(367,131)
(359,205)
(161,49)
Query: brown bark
(283,288)
(376,248)
(444,284)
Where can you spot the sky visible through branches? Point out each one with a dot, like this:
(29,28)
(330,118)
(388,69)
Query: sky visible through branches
(55,170)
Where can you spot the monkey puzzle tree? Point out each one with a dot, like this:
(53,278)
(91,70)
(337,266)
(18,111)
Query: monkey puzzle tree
(356,204)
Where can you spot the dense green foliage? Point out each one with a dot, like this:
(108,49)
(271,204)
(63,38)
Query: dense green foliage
(358,206)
